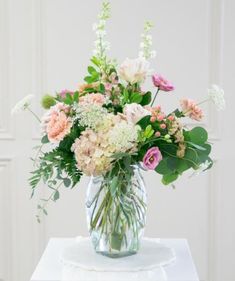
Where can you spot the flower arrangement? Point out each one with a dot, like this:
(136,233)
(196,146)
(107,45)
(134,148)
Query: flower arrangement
(110,124)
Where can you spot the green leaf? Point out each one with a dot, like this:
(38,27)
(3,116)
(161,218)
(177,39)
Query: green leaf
(199,147)
(101,88)
(163,168)
(148,132)
(56,195)
(76,96)
(125,95)
(114,186)
(91,70)
(45,212)
(191,156)
(144,122)
(169,178)
(136,98)
(68,99)
(67,182)
(88,79)
(182,166)
(44,139)
(146,98)
(95,61)
(178,113)
(198,135)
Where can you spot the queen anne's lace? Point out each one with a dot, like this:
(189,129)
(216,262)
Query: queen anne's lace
(124,136)
(22,104)
(216,94)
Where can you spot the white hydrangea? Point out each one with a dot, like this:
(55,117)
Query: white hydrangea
(147,42)
(22,104)
(90,115)
(216,95)
(123,136)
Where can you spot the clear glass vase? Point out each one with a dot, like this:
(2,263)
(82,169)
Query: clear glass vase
(116,213)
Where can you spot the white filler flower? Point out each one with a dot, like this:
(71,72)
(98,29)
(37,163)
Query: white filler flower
(216,94)
(22,104)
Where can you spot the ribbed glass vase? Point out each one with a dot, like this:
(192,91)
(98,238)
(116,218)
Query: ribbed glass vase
(116,213)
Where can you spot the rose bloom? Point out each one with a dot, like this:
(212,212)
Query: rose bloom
(190,109)
(56,123)
(152,158)
(134,70)
(134,112)
(92,98)
(161,83)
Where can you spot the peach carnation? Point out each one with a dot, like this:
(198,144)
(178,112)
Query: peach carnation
(191,109)
(56,123)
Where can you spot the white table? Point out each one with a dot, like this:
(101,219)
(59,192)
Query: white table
(49,267)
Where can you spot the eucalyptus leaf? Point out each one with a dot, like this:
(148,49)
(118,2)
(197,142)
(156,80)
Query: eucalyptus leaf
(198,135)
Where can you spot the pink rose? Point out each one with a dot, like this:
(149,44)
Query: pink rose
(134,112)
(152,158)
(161,83)
(191,109)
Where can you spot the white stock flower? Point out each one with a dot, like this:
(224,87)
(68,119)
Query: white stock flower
(101,45)
(134,112)
(134,70)
(22,104)
(216,94)
(146,44)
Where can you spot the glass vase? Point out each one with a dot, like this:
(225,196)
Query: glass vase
(116,213)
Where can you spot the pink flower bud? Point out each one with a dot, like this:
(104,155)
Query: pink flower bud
(171,118)
(160,117)
(163,126)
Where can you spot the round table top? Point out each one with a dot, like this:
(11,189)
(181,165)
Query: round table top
(152,254)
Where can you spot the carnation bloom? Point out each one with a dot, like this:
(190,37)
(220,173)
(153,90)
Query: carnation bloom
(134,70)
(161,83)
(134,112)
(216,94)
(56,123)
(92,98)
(190,108)
(152,158)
